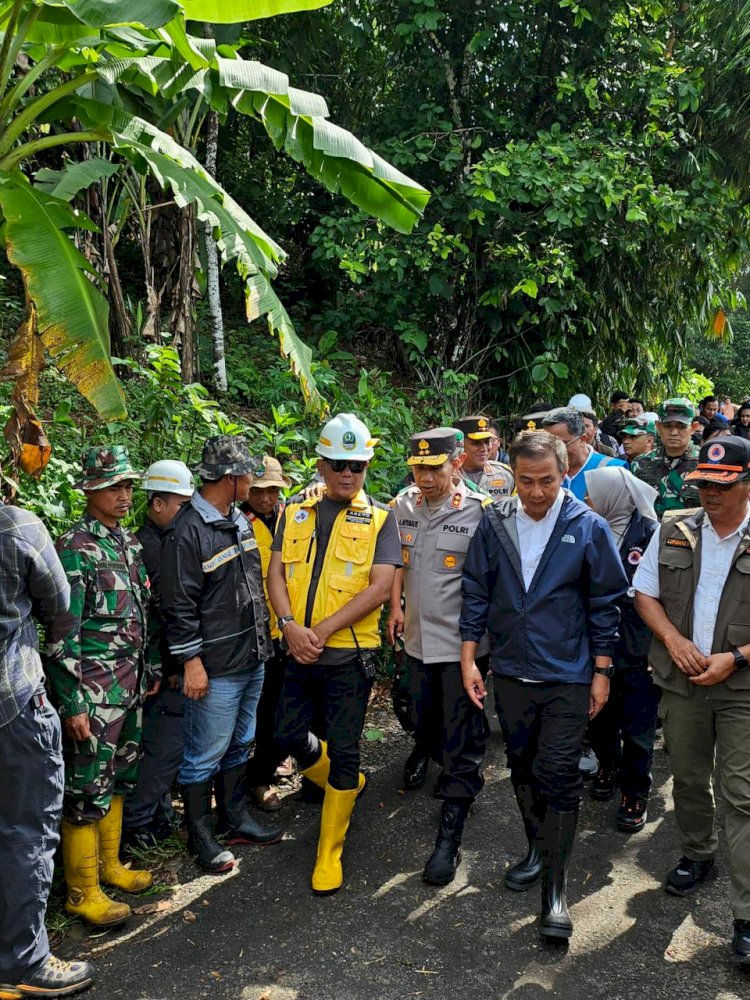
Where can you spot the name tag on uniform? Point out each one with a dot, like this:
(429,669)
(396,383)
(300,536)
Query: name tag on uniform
(358,517)
(456,529)
(678,543)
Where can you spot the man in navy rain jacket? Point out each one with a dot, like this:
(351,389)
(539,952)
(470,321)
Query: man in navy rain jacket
(542,576)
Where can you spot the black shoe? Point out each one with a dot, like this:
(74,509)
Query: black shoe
(525,873)
(558,834)
(415,769)
(311,793)
(445,859)
(202,844)
(234,820)
(55,978)
(687,875)
(632,814)
(148,836)
(604,784)
(588,765)
(741,942)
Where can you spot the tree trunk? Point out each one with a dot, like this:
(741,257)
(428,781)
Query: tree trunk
(213,289)
(182,315)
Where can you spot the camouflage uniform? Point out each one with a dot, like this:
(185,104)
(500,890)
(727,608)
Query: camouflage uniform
(667,476)
(95,661)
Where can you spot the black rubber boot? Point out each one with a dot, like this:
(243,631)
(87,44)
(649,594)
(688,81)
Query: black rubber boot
(202,844)
(235,821)
(445,859)
(558,834)
(415,769)
(522,876)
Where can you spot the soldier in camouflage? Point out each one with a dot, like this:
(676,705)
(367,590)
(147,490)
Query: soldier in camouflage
(674,456)
(95,664)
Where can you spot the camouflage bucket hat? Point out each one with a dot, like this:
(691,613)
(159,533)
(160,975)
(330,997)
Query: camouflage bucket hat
(103,467)
(228,455)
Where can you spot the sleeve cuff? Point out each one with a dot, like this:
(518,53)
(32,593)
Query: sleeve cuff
(69,708)
(471,635)
(603,649)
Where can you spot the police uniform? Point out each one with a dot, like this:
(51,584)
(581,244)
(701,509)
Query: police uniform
(434,545)
(665,474)
(496,478)
(95,664)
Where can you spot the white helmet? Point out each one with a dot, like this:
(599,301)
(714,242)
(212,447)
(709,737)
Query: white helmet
(345,436)
(169,476)
(581,402)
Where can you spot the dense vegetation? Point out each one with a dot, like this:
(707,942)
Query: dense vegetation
(587,225)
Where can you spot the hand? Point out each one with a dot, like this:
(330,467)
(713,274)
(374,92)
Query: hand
(599,694)
(395,625)
(720,666)
(473,684)
(685,655)
(303,643)
(195,682)
(174,682)
(78,727)
(315,491)
(155,687)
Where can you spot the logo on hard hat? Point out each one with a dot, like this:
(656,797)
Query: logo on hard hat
(349,441)
(716,453)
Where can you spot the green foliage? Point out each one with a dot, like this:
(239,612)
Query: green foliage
(694,386)
(726,362)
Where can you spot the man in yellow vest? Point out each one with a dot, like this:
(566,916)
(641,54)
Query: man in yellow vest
(263,509)
(332,567)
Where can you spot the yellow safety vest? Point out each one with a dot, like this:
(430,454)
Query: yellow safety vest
(264,538)
(346,567)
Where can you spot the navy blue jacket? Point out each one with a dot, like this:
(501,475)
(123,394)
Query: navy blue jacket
(569,613)
(635,637)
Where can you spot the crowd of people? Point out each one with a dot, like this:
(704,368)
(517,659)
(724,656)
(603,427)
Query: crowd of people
(597,570)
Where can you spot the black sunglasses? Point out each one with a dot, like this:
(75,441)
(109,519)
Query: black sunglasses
(339,464)
(706,484)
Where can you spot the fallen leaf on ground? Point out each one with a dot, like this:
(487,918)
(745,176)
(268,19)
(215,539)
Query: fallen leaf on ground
(153,907)
(189,917)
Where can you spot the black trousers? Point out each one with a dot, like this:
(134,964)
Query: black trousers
(449,728)
(345,691)
(31,796)
(543,727)
(261,768)
(162,747)
(622,734)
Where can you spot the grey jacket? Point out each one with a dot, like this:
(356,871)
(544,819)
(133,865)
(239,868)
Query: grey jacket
(434,546)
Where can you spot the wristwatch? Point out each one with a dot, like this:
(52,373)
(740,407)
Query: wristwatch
(741,662)
(605,671)
(284,621)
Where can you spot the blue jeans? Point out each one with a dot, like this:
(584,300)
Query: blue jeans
(220,728)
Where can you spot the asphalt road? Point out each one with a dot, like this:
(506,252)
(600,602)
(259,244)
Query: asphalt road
(260,934)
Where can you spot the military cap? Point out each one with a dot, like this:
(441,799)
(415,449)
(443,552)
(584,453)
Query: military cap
(476,428)
(433,447)
(105,466)
(723,460)
(533,421)
(679,409)
(228,455)
(636,426)
(272,475)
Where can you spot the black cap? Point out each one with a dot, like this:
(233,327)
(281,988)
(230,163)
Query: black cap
(724,460)
(432,447)
(476,428)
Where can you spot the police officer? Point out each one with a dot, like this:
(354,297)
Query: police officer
(263,509)
(493,478)
(148,810)
(674,456)
(332,567)
(216,623)
(97,672)
(437,520)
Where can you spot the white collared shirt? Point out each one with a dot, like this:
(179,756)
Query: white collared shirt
(716,561)
(534,535)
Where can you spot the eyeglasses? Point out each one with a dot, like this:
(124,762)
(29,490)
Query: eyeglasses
(339,464)
(706,484)
(572,441)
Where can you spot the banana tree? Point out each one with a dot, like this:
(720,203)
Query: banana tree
(119,73)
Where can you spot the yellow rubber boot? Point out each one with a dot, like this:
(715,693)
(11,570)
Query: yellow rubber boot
(338,806)
(111,869)
(81,864)
(319,771)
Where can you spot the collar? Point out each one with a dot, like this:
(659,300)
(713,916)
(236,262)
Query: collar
(551,513)
(737,533)
(359,501)
(95,526)
(210,514)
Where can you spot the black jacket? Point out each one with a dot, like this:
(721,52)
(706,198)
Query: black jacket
(151,536)
(635,638)
(211,590)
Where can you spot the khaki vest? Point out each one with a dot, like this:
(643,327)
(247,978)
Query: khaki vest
(680,541)
(346,567)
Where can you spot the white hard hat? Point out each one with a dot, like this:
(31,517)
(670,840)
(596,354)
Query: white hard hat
(169,476)
(345,436)
(581,402)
